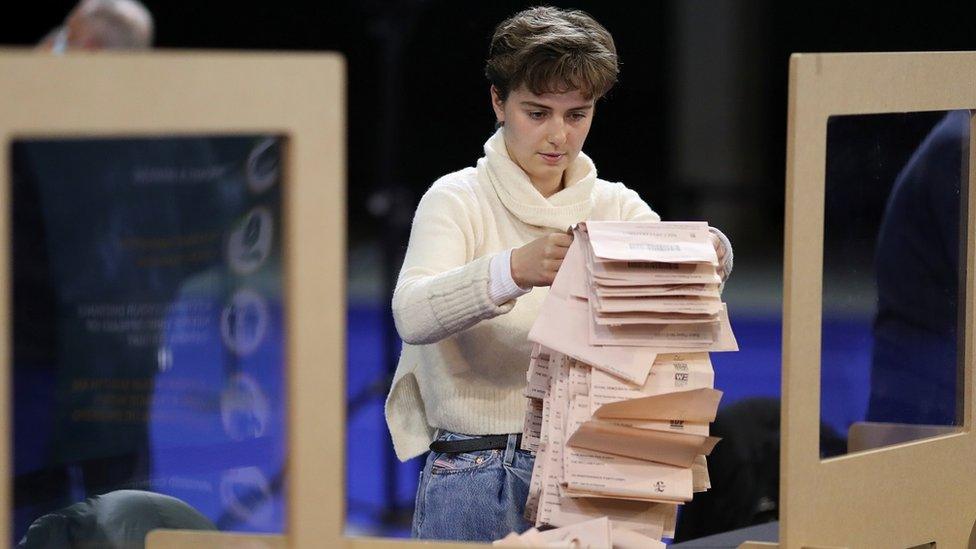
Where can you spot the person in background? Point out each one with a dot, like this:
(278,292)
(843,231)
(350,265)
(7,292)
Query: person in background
(100,25)
(916,336)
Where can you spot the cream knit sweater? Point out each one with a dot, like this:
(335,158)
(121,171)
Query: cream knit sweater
(464,358)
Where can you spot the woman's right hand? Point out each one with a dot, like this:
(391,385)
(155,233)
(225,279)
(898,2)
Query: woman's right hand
(536,263)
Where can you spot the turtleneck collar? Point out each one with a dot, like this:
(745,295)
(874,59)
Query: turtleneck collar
(570,205)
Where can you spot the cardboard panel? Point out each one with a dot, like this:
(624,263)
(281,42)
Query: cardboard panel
(900,496)
(300,96)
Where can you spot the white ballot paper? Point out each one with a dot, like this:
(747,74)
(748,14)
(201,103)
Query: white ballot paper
(552,469)
(531,513)
(539,478)
(579,378)
(658,242)
(532,426)
(538,374)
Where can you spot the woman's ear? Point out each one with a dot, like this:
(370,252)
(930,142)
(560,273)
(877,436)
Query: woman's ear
(498,105)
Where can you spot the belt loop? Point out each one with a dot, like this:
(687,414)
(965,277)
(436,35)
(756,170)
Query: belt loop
(510,448)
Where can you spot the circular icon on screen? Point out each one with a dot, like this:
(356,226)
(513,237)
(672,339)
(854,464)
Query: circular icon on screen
(244,322)
(244,408)
(263,165)
(250,242)
(246,494)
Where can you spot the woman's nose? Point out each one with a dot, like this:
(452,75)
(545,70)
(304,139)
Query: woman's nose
(557,133)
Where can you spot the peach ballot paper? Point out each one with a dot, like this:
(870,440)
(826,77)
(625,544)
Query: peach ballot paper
(620,386)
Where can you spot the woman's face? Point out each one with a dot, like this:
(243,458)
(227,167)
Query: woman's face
(544,133)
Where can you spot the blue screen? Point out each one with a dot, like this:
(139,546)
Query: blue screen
(148,324)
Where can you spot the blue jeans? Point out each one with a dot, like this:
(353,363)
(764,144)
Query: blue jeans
(473,496)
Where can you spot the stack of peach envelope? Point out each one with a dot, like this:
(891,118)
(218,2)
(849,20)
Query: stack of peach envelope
(627,291)
(597,533)
(620,383)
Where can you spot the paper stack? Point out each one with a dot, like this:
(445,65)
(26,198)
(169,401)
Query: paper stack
(620,384)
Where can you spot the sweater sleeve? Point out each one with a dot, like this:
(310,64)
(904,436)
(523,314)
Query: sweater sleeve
(727,266)
(633,207)
(442,288)
(501,285)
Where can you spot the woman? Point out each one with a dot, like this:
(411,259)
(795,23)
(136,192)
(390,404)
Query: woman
(485,244)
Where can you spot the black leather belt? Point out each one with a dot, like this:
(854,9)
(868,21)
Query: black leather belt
(487,442)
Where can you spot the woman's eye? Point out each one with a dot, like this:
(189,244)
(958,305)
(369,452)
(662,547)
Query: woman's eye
(537,115)
(577,116)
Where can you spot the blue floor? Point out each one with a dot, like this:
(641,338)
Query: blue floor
(368,447)
(751,372)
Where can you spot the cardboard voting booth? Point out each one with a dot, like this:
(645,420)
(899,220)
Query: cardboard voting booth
(192,210)
(909,494)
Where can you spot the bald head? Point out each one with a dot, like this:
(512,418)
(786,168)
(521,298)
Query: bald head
(109,24)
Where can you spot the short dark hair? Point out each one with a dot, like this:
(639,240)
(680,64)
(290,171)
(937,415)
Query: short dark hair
(549,50)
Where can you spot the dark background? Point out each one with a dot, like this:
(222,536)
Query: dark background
(697,123)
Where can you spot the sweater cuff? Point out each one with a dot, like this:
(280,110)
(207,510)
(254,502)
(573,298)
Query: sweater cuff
(501,285)
(727,266)
(461,300)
